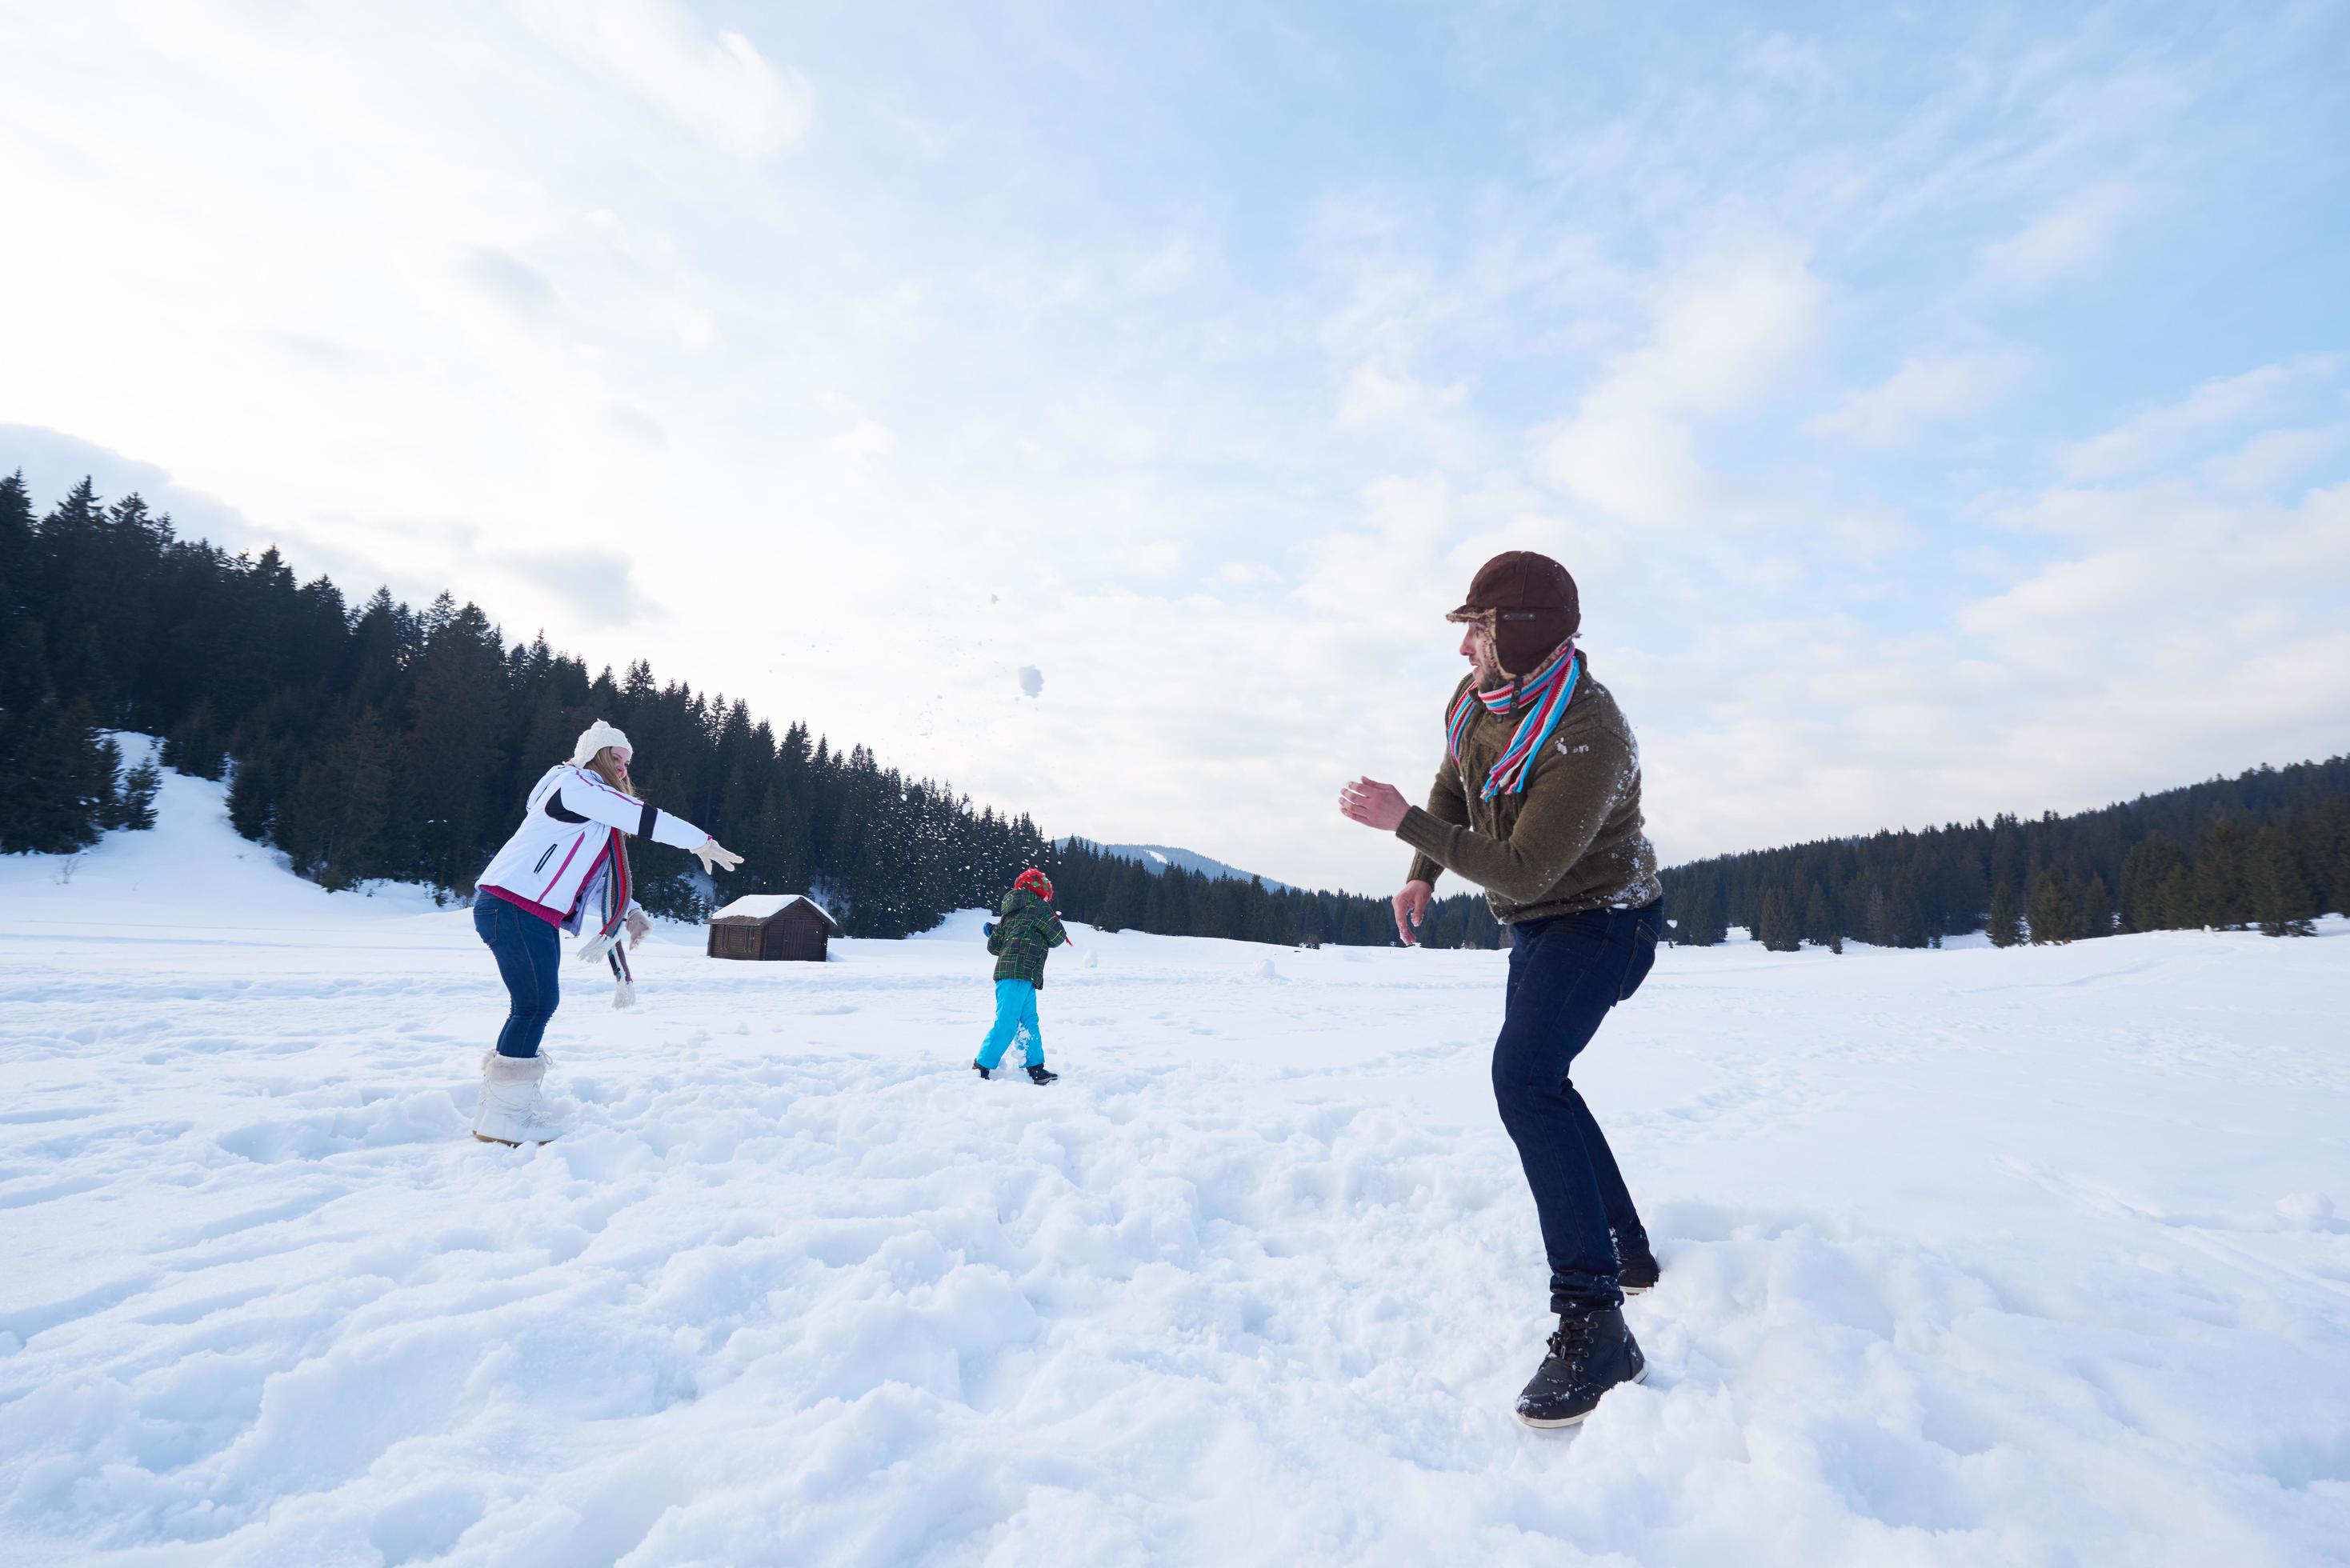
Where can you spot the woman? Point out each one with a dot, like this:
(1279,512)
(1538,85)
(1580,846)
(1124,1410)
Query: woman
(566,868)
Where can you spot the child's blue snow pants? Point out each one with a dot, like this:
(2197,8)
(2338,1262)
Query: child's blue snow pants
(1015,1009)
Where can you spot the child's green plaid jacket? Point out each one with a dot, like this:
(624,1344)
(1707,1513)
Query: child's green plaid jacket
(1027,933)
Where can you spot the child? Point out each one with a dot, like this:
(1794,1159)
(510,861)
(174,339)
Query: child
(1021,939)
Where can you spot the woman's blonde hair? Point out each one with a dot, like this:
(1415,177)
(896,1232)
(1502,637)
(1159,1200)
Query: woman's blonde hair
(602,765)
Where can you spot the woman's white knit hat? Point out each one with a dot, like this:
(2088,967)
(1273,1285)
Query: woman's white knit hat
(594,738)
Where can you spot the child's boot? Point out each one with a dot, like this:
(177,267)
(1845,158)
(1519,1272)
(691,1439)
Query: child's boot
(1037,1074)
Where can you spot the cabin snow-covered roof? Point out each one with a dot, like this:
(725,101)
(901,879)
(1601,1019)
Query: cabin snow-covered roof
(766,906)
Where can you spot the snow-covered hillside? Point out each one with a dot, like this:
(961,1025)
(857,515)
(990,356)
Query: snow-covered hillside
(1156,859)
(2032,1257)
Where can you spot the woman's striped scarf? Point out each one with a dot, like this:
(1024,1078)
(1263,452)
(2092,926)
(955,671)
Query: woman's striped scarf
(1544,695)
(611,914)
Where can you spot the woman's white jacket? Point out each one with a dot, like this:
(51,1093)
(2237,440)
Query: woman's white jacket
(563,842)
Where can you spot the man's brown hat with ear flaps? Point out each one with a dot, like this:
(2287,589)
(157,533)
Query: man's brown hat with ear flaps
(1531,604)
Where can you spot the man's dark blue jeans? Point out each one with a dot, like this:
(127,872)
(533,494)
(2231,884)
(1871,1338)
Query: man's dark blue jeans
(527,950)
(1566,972)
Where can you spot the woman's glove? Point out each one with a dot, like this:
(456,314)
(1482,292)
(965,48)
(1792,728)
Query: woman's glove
(638,924)
(715,857)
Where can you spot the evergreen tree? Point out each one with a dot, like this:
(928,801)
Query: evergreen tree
(2280,896)
(252,800)
(1877,918)
(2006,923)
(24,671)
(1699,919)
(1776,928)
(134,797)
(2094,916)
(453,741)
(2146,873)
(2055,918)
(2219,857)
(2175,905)
(194,746)
(1817,927)
(18,558)
(62,770)
(2325,850)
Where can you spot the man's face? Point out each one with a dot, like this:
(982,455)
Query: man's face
(1477,647)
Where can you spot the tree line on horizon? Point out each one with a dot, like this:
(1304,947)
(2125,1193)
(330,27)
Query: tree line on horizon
(378,742)
(2269,848)
(1116,893)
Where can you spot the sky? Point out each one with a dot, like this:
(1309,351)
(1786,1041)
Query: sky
(1943,409)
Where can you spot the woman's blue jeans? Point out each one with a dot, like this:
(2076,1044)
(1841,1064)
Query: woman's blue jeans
(1566,972)
(527,950)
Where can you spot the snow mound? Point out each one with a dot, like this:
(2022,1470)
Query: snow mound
(190,879)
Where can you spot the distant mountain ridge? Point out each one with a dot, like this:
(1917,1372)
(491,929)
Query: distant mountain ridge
(1156,857)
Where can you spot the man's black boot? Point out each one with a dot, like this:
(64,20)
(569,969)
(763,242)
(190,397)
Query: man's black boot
(1636,1266)
(1590,1354)
(1036,1074)
(981,1071)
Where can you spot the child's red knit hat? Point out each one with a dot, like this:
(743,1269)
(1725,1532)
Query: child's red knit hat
(1035,881)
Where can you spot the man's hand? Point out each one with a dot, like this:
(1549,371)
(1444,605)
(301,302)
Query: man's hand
(1374,804)
(1411,909)
(638,924)
(715,857)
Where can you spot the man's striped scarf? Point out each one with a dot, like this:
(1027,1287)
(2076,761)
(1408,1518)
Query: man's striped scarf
(1544,695)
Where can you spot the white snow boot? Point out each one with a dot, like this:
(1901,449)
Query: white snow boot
(510,1112)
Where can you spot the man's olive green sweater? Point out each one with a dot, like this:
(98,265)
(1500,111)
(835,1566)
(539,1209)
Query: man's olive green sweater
(1571,840)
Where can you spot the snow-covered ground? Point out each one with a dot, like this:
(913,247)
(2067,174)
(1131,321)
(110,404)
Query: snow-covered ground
(1971,1257)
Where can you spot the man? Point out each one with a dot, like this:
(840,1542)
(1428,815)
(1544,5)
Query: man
(1538,800)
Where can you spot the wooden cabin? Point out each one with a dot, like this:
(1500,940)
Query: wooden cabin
(769,927)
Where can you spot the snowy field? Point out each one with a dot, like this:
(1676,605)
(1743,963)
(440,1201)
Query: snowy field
(1971,1257)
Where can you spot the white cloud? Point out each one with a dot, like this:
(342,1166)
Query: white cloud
(2271,458)
(1362,572)
(722,91)
(1723,332)
(866,441)
(1925,388)
(1374,398)
(1719,335)
(2069,239)
(2185,560)
(1637,465)
(510,281)
(2157,435)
